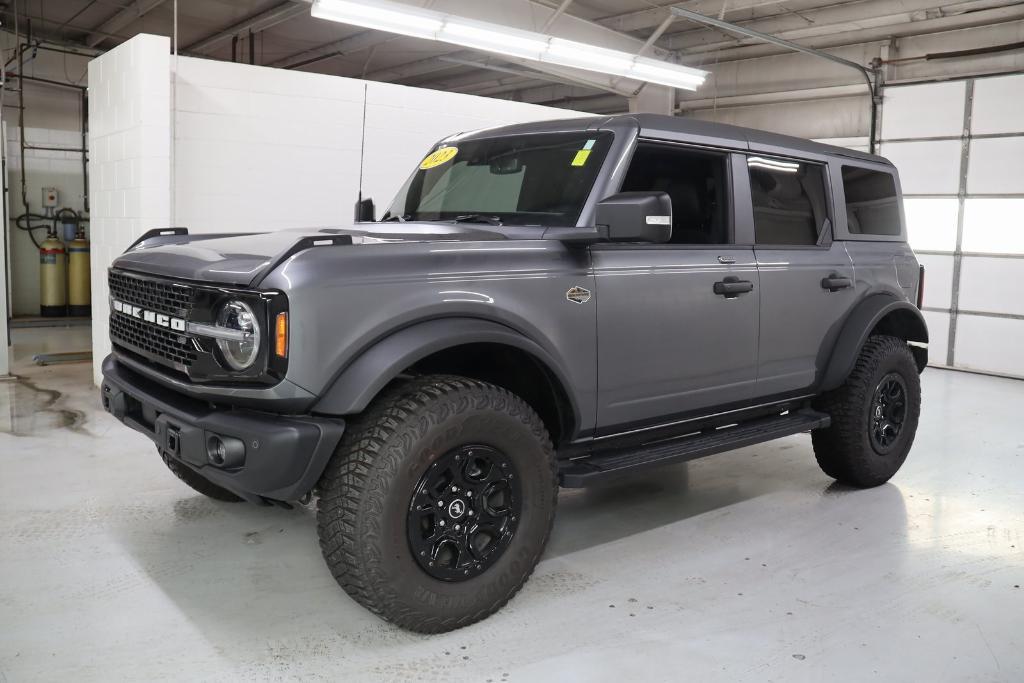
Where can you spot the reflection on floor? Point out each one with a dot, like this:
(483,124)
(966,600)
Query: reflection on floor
(751,565)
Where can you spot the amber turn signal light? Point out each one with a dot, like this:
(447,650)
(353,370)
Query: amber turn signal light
(281,335)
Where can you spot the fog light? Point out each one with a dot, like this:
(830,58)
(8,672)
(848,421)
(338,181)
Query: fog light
(225,451)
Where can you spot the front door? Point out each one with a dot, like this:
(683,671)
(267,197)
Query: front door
(668,344)
(676,323)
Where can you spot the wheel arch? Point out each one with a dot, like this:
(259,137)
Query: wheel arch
(877,314)
(471,347)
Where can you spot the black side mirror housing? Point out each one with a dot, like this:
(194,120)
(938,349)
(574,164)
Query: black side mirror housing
(635,217)
(366,212)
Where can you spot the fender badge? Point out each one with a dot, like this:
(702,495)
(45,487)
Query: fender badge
(578,295)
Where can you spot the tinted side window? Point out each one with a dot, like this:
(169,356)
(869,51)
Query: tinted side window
(789,200)
(694,180)
(871,204)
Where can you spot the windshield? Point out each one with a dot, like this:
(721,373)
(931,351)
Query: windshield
(540,179)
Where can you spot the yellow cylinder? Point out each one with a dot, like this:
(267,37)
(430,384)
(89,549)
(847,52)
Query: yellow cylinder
(79,292)
(52,278)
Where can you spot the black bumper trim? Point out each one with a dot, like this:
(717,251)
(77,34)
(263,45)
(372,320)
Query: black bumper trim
(284,454)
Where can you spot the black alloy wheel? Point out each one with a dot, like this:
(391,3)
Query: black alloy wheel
(888,412)
(464,512)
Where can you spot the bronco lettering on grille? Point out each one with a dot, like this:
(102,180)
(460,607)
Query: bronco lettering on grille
(151,317)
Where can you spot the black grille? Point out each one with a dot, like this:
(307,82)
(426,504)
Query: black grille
(153,295)
(171,346)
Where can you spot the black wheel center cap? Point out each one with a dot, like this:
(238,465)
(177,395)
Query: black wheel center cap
(456,509)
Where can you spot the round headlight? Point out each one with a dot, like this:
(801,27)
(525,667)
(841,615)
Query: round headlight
(239,353)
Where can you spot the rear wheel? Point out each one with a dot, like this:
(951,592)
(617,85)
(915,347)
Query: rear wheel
(874,415)
(199,483)
(438,503)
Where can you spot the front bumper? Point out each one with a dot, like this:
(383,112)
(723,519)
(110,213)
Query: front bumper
(270,456)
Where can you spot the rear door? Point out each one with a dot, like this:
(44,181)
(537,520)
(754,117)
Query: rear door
(807,279)
(669,344)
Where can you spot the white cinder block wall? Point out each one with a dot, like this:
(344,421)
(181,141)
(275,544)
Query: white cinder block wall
(252,148)
(129,159)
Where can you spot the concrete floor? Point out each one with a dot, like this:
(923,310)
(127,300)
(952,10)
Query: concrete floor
(750,565)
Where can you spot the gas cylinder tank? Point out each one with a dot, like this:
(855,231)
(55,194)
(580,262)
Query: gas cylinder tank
(52,278)
(79,286)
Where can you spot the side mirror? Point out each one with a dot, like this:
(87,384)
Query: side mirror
(365,211)
(635,217)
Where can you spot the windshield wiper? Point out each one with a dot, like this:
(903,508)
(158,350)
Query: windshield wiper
(477,218)
(394,217)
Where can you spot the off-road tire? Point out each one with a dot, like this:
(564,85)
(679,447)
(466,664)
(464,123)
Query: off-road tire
(199,483)
(845,449)
(366,490)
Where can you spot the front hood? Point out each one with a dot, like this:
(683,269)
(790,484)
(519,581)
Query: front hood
(244,259)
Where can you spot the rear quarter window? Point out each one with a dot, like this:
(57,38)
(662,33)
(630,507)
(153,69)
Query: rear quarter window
(872,204)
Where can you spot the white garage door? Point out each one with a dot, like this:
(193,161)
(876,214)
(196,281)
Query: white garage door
(959,147)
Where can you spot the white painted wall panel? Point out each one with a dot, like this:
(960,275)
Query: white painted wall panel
(996,165)
(938,336)
(931,167)
(938,280)
(992,285)
(931,222)
(994,225)
(924,111)
(990,344)
(997,105)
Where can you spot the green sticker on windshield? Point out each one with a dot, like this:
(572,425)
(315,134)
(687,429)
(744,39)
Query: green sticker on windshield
(582,155)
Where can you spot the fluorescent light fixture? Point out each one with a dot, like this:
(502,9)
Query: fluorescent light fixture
(583,56)
(482,36)
(391,17)
(408,20)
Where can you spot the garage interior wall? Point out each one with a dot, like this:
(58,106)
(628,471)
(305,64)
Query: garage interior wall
(53,119)
(251,148)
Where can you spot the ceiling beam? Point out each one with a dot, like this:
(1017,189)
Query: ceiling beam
(827,21)
(858,36)
(133,12)
(471,80)
(645,19)
(258,22)
(358,42)
(420,67)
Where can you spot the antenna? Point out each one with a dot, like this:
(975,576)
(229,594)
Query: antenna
(362,141)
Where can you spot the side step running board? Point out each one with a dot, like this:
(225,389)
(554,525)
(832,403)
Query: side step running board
(602,466)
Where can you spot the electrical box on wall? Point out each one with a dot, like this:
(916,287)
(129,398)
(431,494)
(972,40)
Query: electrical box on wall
(49,197)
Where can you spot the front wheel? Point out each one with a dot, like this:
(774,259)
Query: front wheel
(874,415)
(438,503)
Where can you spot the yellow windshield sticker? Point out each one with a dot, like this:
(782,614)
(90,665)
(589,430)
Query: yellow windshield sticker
(438,157)
(581,157)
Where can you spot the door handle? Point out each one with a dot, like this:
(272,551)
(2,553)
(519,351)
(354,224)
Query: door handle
(835,282)
(726,259)
(732,287)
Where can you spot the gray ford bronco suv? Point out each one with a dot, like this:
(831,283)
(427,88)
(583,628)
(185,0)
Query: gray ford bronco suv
(542,305)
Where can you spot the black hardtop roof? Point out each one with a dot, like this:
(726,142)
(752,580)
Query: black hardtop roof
(681,126)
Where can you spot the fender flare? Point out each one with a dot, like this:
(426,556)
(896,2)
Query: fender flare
(859,324)
(361,380)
